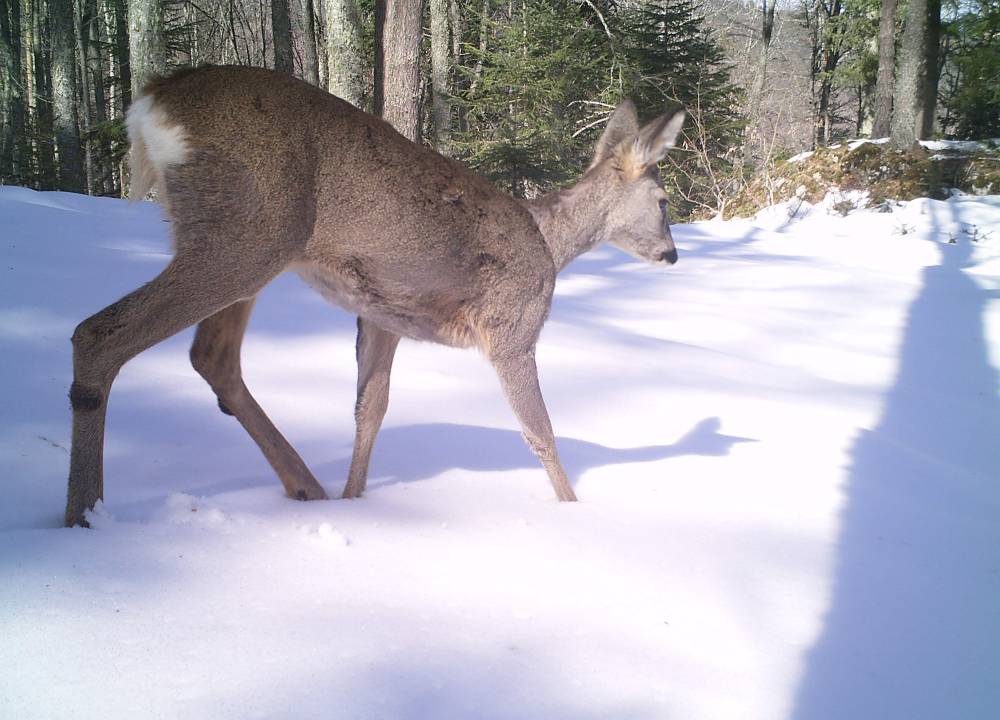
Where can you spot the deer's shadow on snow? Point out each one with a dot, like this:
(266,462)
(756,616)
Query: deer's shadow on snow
(412,453)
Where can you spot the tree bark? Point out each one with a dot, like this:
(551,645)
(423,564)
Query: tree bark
(345,59)
(911,80)
(440,75)
(64,106)
(281,29)
(760,80)
(146,42)
(45,163)
(400,65)
(83,19)
(310,60)
(927,116)
(18,114)
(104,184)
(9,81)
(322,58)
(378,75)
(886,69)
(121,53)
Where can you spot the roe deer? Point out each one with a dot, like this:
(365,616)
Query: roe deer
(260,172)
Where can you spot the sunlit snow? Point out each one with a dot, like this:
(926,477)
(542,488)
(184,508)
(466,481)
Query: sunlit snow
(787,450)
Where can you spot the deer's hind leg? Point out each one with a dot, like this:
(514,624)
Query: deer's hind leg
(215,354)
(201,280)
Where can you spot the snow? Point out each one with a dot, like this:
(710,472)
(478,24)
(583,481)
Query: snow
(786,449)
(948,146)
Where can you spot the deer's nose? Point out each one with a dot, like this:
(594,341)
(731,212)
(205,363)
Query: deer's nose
(669,256)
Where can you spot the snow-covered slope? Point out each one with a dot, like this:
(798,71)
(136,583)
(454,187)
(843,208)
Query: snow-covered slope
(787,450)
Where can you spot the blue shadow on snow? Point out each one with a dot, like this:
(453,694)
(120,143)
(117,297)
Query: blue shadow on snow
(913,627)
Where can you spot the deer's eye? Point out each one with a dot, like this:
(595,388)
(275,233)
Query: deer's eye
(663,204)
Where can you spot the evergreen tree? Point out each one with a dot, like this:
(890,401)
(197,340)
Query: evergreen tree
(533,74)
(673,60)
(971,76)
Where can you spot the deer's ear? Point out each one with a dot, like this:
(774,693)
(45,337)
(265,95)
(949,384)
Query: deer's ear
(657,137)
(622,125)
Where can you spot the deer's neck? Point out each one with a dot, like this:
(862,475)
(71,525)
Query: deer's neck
(572,221)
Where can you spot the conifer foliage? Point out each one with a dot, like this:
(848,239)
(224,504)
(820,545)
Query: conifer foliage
(673,61)
(537,71)
(550,74)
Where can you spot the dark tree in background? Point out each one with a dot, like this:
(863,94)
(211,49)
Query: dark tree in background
(932,47)
(63,64)
(886,69)
(909,99)
(147,42)
(674,61)
(310,53)
(281,30)
(440,75)
(345,51)
(13,152)
(541,72)
(397,64)
(971,71)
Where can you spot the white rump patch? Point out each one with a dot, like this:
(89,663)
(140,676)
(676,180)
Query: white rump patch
(165,143)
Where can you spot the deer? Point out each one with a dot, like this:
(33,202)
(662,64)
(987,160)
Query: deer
(260,173)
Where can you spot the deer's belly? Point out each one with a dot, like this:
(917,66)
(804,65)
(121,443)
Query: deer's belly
(431,317)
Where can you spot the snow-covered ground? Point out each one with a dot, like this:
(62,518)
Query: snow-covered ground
(787,450)
(947,146)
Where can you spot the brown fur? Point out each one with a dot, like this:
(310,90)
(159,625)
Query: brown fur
(280,175)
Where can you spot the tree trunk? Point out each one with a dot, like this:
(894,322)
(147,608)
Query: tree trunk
(82,21)
(457,30)
(45,165)
(323,60)
(64,107)
(95,60)
(929,109)
(824,117)
(760,79)
(9,81)
(911,81)
(146,42)
(281,29)
(345,57)
(886,69)
(400,65)
(440,74)
(122,53)
(310,60)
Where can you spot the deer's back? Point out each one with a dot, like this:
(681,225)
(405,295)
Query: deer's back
(385,227)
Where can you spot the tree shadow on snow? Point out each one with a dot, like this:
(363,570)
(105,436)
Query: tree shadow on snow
(913,628)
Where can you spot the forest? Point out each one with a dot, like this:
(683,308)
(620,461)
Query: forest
(517,89)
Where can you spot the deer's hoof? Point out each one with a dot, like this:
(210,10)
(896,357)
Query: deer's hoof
(77,522)
(352,493)
(312,492)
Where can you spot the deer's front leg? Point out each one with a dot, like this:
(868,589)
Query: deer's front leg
(375,349)
(519,377)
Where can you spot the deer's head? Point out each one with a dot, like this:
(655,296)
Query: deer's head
(628,157)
